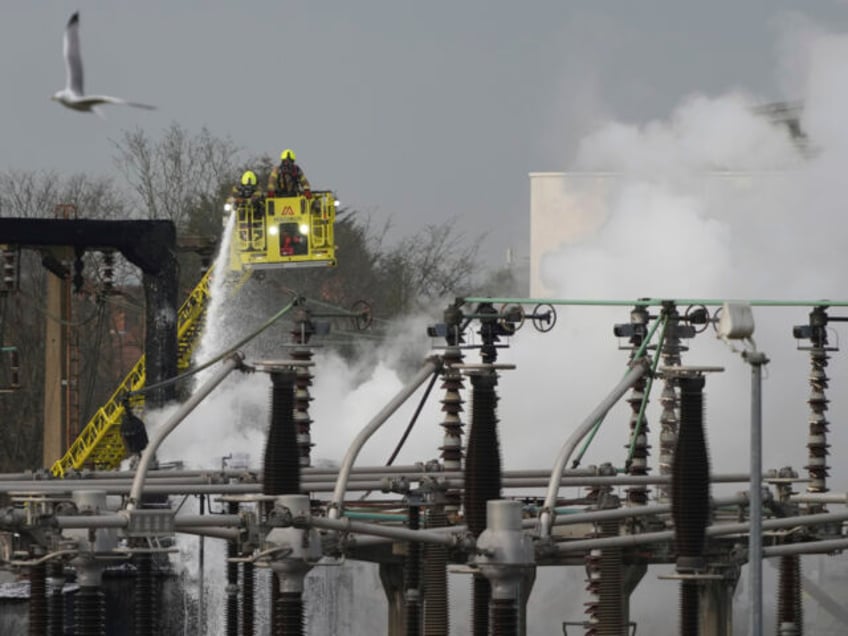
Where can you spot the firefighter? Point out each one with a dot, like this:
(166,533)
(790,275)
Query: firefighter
(247,188)
(243,192)
(287,179)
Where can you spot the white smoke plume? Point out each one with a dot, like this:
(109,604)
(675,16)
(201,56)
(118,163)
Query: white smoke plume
(712,202)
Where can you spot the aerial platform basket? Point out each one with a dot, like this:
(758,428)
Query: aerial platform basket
(284,232)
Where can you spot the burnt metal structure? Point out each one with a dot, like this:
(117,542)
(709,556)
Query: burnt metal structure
(150,245)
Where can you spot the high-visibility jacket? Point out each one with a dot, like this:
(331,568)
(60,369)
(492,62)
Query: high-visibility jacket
(287,180)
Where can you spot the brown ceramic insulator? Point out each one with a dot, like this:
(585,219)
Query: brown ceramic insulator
(37,599)
(504,617)
(288,618)
(435,598)
(281,470)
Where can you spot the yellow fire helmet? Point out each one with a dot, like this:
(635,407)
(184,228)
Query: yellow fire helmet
(248,178)
(288,153)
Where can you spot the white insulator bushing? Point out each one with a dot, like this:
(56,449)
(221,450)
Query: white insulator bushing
(502,514)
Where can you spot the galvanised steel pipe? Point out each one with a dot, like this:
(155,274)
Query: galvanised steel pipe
(336,504)
(346,525)
(231,363)
(808,547)
(120,521)
(639,368)
(712,531)
(593,516)
(164,487)
(755,537)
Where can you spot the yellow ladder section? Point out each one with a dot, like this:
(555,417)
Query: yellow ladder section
(99,443)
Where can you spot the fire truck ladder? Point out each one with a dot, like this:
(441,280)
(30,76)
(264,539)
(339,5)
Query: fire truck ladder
(99,444)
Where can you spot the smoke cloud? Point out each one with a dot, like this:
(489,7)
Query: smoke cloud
(715,202)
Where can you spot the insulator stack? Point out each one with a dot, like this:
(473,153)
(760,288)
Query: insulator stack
(819,426)
(145,606)
(412,576)
(302,398)
(56,598)
(690,504)
(481,591)
(690,497)
(232,579)
(248,581)
(482,479)
(789,605)
(89,612)
(605,609)
(281,470)
(669,422)
(275,595)
(504,617)
(288,619)
(483,460)
(596,492)
(38,599)
(451,449)
(689,609)
(435,608)
(638,463)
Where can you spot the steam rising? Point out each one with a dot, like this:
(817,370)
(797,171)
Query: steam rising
(713,202)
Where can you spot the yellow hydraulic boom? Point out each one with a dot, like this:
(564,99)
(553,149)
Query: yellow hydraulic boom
(269,233)
(99,443)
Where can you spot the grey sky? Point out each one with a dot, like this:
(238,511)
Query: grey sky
(421,111)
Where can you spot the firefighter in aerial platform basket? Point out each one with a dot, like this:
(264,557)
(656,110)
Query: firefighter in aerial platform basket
(246,199)
(244,191)
(287,179)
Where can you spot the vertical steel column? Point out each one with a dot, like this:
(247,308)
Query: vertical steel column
(755,494)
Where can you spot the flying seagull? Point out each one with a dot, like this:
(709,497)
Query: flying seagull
(73,95)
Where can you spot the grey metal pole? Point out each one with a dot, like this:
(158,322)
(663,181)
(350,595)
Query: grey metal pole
(546,518)
(231,363)
(755,537)
(334,509)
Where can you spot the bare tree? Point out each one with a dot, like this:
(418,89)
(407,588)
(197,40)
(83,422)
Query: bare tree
(435,262)
(179,176)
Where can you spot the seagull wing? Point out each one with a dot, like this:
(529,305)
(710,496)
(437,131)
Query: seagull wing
(94,100)
(73,58)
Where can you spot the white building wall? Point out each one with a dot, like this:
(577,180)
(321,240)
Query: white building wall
(565,208)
